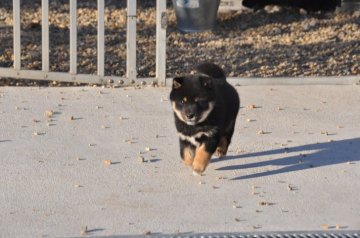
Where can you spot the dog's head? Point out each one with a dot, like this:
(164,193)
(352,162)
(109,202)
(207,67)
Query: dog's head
(192,98)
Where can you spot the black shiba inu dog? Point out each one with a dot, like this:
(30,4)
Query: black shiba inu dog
(205,108)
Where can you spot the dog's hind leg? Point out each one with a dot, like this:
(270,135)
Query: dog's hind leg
(222,147)
(225,140)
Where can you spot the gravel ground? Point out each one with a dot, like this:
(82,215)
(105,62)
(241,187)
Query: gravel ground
(269,43)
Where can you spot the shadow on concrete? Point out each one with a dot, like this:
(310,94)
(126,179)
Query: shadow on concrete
(321,154)
(2,141)
(92,231)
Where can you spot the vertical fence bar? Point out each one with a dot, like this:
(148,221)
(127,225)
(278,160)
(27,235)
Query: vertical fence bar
(161,24)
(45,34)
(101,38)
(131,40)
(73,37)
(17,34)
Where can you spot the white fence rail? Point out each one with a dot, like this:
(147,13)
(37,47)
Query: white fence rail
(100,77)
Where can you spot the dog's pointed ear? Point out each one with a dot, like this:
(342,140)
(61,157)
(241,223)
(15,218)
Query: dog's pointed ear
(177,82)
(205,81)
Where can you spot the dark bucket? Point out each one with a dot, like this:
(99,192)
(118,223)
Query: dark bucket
(195,15)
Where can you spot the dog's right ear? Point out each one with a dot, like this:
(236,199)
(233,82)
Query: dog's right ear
(177,82)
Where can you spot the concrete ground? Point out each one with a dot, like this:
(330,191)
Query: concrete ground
(294,164)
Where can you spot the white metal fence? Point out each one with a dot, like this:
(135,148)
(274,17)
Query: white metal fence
(100,77)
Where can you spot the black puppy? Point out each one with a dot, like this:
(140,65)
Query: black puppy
(205,109)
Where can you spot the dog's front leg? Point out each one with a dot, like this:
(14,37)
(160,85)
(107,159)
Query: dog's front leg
(187,152)
(203,155)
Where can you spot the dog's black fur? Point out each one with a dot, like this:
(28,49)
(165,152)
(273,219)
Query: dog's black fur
(205,109)
(308,5)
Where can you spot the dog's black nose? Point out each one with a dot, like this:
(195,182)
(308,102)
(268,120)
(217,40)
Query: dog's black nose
(190,115)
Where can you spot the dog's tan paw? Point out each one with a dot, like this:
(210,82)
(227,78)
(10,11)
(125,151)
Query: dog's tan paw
(188,156)
(196,173)
(198,169)
(188,161)
(201,160)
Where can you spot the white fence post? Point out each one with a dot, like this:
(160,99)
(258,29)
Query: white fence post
(73,37)
(131,40)
(99,77)
(45,35)
(101,39)
(161,24)
(17,34)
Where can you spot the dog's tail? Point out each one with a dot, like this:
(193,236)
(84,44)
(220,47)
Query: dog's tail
(211,70)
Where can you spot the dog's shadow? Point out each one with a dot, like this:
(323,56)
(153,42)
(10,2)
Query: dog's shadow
(321,154)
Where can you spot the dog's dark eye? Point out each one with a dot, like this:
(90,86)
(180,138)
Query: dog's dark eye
(199,99)
(202,103)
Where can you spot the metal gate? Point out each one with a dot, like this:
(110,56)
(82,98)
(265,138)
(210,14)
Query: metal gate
(100,78)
